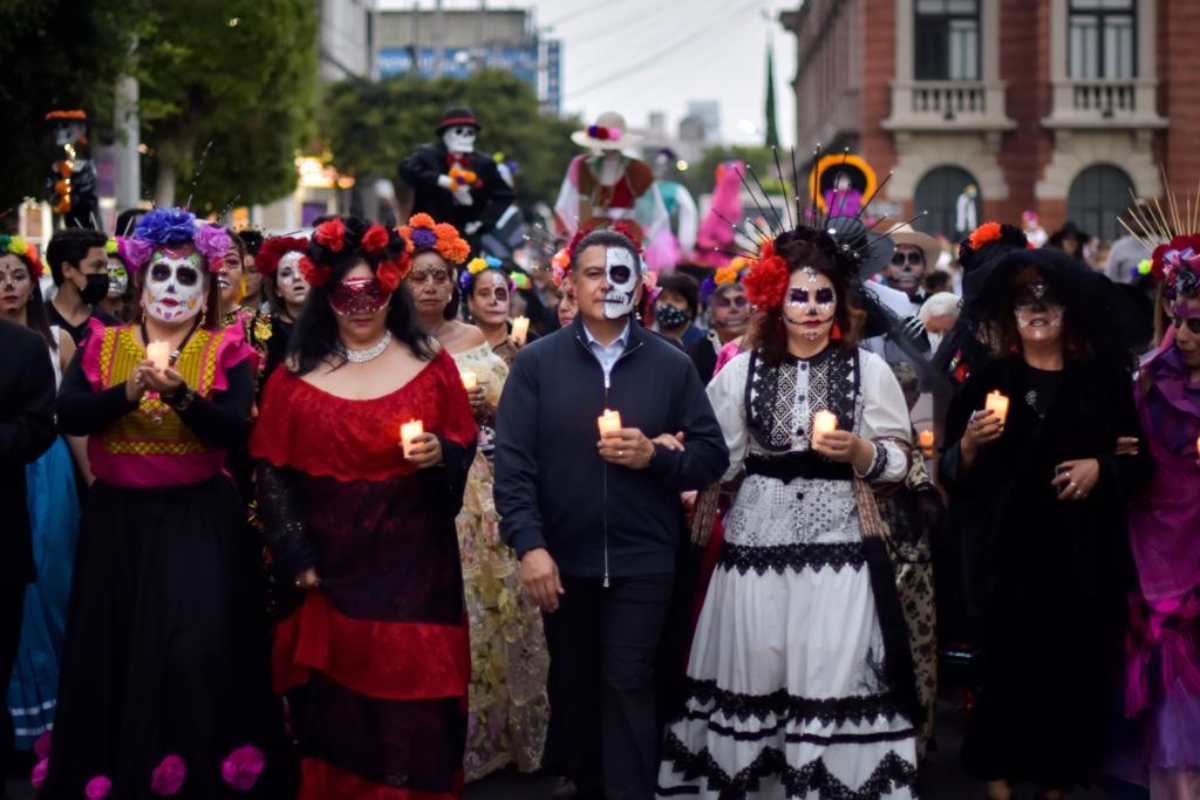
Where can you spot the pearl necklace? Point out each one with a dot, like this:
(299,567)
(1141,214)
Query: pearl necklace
(369,354)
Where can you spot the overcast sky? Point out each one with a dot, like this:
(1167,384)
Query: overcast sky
(638,56)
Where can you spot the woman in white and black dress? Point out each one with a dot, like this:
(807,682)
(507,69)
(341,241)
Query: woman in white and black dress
(800,680)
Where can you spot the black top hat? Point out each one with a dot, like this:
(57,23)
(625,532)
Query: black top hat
(456,117)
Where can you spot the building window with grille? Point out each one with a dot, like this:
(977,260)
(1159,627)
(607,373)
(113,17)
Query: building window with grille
(1102,39)
(946,40)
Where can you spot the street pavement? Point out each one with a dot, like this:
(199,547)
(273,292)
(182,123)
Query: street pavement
(944,779)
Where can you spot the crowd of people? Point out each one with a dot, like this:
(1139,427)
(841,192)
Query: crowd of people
(329,516)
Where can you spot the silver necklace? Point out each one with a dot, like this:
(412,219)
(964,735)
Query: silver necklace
(369,354)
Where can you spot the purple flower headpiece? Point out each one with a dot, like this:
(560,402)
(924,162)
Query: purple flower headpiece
(165,227)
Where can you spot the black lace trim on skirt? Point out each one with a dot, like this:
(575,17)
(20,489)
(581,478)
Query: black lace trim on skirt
(892,773)
(858,709)
(796,557)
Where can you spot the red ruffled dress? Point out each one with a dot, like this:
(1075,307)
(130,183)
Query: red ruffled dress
(376,660)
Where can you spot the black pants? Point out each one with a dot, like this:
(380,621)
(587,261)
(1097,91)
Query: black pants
(12,603)
(602,651)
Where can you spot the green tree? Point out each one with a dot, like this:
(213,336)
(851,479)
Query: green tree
(228,89)
(56,54)
(371,127)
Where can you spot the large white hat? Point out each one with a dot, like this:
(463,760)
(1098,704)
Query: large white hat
(608,133)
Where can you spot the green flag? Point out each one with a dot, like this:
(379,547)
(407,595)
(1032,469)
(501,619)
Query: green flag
(772,126)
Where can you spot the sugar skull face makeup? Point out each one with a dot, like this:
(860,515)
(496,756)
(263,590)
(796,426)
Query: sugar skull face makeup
(459,139)
(118,277)
(810,303)
(1038,311)
(174,290)
(621,273)
(359,297)
(289,280)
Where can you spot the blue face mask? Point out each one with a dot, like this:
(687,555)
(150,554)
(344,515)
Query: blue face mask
(669,317)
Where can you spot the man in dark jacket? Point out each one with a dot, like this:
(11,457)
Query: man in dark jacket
(26,431)
(596,524)
(471,206)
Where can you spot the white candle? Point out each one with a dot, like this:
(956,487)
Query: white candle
(470,380)
(998,403)
(520,329)
(408,432)
(824,422)
(609,422)
(160,354)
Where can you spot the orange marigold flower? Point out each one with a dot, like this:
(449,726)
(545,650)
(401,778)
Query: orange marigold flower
(987,232)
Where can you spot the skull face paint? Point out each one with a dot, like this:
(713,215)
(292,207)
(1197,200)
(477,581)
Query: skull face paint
(459,139)
(118,277)
(359,297)
(289,280)
(810,303)
(621,274)
(1039,313)
(174,290)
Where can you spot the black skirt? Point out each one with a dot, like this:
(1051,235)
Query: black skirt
(165,671)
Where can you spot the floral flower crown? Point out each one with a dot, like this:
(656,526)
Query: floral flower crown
(724,276)
(1177,264)
(340,238)
(560,266)
(477,265)
(423,233)
(604,133)
(17,246)
(274,249)
(165,227)
(118,246)
(1005,235)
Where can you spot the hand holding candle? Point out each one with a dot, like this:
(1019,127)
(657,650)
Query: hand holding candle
(159,353)
(609,422)
(997,403)
(520,330)
(409,432)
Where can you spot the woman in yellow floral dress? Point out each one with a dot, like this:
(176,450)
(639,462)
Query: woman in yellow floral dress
(508,710)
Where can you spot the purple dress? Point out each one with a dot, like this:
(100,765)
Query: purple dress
(1163,676)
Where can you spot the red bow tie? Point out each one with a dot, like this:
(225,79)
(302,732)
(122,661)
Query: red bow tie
(457,159)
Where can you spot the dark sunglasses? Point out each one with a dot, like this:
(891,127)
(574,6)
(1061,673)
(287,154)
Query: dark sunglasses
(914,259)
(1192,323)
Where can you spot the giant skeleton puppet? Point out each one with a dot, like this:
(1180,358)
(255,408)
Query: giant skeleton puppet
(72,179)
(606,186)
(452,183)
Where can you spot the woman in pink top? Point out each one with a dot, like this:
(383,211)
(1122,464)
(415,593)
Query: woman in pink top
(165,685)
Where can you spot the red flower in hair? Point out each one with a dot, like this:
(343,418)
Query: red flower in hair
(376,238)
(767,281)
(987,232)
(315,274)
(331,234)
(391,273)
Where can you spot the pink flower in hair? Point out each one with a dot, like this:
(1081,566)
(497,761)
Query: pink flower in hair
(213,242)
(98,788)
(138,251)
(168,776)
(242,767)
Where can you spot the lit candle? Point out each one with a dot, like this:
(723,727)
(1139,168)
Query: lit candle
(160,354)
(408,432)
(520,329)
(925,442)
(470,380)
(998,403)
(1198,446)
(609,422)
(824,422)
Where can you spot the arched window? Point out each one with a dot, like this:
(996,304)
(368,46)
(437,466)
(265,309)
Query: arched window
(1098,196)
(943,193)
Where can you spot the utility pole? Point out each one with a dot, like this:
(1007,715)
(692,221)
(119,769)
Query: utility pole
(439,40)
(129,138)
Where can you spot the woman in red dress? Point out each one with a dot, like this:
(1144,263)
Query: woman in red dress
(375,658)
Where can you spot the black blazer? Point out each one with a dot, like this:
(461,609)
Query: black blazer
(26,431)
(552,488)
